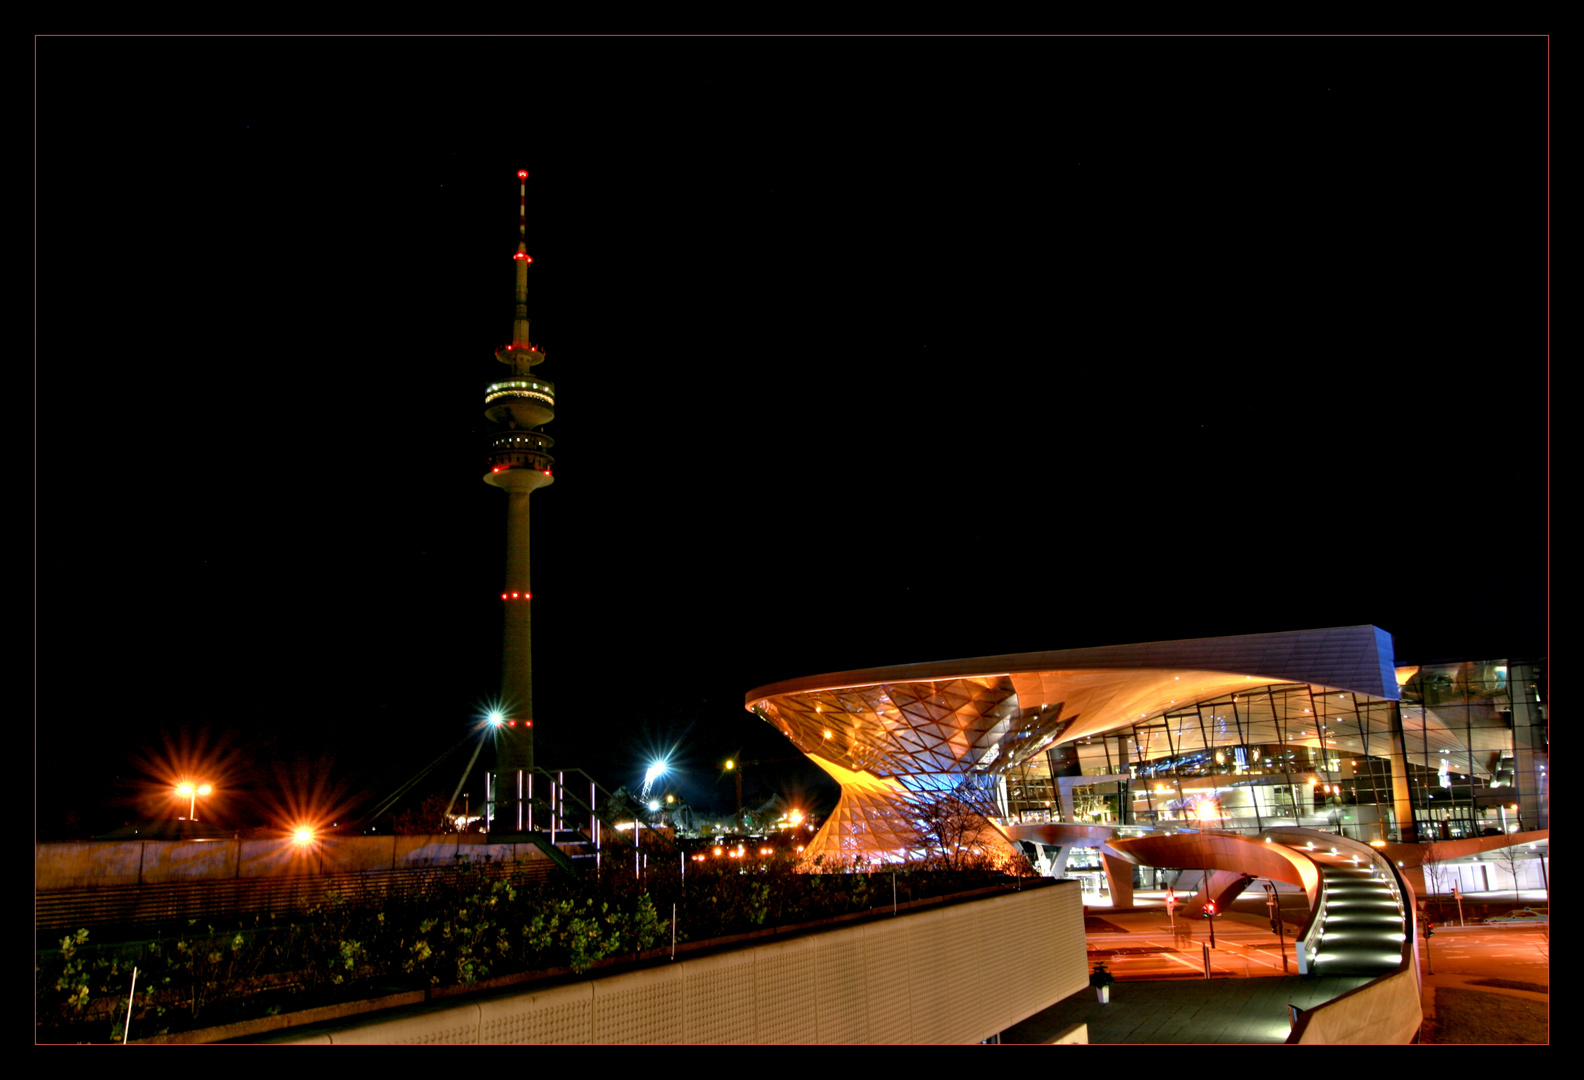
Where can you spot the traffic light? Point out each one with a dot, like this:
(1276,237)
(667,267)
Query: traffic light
(1210,909)
(1429,929)
(1275,927)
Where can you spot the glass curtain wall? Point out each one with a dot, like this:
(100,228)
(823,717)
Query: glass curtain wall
(1456,757)
(1477,745)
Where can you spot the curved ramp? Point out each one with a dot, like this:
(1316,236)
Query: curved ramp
(1240,855)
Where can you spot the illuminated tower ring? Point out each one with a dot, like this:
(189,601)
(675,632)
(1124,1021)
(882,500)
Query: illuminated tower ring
(519,464)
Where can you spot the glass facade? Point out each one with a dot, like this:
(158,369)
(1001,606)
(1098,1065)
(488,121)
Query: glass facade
(1464,753)
(1330,734)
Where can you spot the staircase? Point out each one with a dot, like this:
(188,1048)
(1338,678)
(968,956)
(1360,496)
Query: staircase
(1362,933)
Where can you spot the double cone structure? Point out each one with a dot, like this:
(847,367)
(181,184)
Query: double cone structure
(940,760)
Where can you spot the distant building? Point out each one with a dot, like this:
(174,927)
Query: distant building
(1315,728)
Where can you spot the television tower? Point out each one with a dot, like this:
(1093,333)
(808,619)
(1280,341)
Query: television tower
(519,464)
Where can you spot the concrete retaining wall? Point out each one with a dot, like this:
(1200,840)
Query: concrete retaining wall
(958,974)
(154,862)
(1386,1011)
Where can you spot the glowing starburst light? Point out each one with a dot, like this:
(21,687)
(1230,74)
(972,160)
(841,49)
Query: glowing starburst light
(654,772)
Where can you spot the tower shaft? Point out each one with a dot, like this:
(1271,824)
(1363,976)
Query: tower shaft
(516,690)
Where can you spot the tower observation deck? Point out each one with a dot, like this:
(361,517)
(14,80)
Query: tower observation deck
(519,464)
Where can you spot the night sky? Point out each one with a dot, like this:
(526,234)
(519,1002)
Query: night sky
(866,352)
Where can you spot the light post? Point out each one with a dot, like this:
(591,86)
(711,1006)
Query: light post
(192,792)
(1273,905)
(731,767)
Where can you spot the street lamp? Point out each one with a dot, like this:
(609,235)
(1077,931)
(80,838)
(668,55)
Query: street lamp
(1273,906)
(192,793)
(655,771)
(731,767)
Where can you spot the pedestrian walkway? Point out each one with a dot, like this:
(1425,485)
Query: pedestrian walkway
(1497,994)
(1186,1011)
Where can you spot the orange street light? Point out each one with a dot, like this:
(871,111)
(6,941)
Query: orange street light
(192,792)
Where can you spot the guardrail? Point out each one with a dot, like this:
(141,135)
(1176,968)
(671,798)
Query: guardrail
(147,905)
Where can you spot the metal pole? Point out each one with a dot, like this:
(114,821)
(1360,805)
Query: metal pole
(1274,904)
(126,1028)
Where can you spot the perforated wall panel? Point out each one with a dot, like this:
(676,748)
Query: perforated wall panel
(562,1016)
(640,1008)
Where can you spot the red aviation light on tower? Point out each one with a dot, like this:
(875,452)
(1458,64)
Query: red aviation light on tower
(522,174)
(523,256)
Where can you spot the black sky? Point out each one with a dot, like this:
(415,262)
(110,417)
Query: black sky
(866,352)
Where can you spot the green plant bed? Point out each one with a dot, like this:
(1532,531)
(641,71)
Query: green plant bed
(465,930)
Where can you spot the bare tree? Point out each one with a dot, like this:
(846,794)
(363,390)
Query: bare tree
(955,833)
(1511,857)
(1437,870)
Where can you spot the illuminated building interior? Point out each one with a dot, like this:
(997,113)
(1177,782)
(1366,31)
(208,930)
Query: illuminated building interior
(1318,729)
